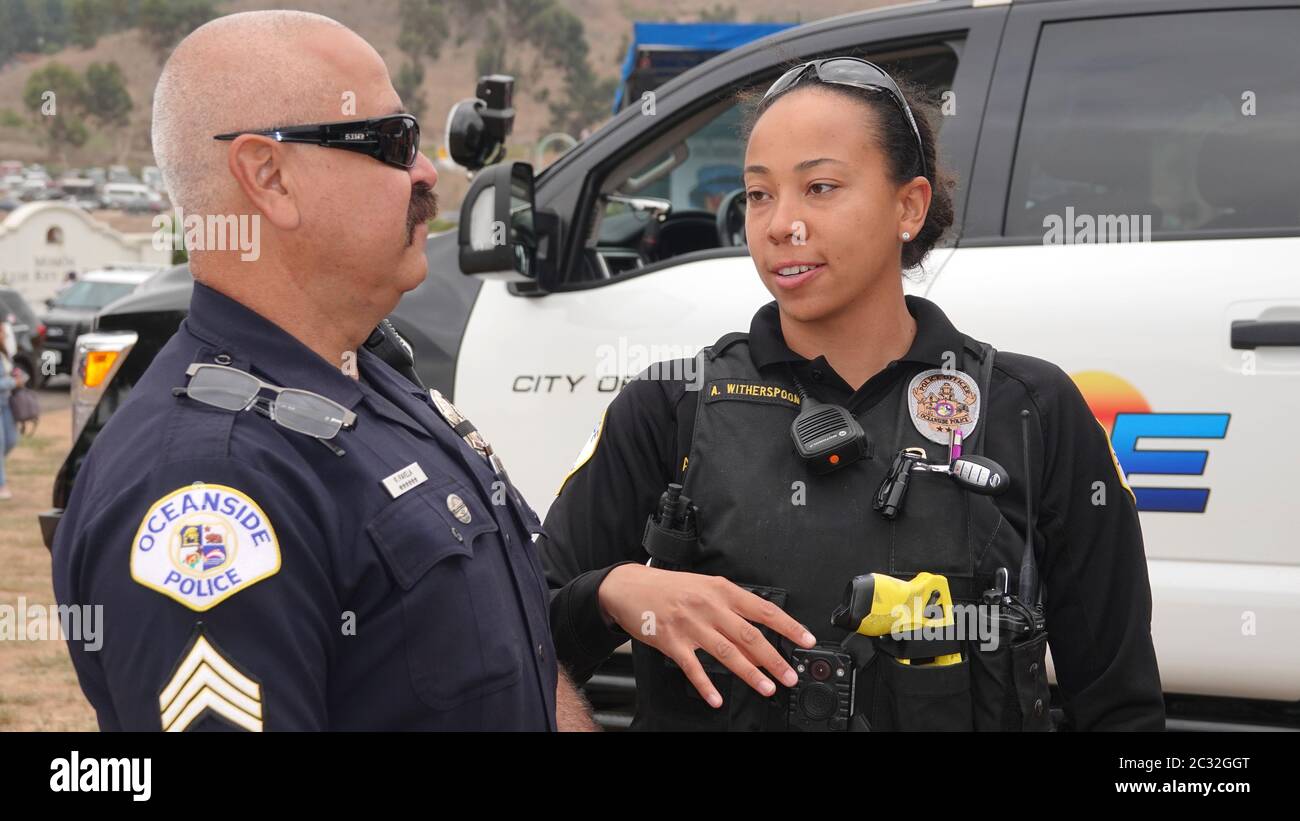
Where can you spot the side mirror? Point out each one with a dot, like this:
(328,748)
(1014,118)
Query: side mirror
(477,128)
(497,235)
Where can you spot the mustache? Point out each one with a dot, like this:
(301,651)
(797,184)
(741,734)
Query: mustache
(423,207)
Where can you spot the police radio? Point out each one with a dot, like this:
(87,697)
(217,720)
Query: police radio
(826,436)
(671,536)
(390,346)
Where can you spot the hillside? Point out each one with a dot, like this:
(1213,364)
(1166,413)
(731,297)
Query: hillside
(446,80)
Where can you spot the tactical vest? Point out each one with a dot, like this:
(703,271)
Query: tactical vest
(757,500)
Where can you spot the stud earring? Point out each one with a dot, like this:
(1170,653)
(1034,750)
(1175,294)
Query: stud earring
(906,236)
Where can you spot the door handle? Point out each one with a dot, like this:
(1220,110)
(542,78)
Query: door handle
(1253,333)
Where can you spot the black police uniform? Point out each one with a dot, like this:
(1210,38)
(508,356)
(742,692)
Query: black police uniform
(251,578)
(766,522)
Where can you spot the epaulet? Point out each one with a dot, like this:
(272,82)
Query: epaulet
(974,346)
(717,348)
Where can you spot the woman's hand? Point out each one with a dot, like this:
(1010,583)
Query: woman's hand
(676,613)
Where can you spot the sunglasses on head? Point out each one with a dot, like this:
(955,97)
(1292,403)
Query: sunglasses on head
(851,71)
(394,139)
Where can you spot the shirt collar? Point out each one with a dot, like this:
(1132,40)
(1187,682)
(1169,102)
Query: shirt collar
(935,336)
(256,343)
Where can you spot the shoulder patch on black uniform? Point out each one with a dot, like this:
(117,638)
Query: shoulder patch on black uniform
(1114,458)
(720,390)
(588,450)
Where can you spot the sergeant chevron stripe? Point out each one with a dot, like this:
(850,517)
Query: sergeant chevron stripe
(205,681)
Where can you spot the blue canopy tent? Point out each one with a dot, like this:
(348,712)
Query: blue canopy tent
(661,51)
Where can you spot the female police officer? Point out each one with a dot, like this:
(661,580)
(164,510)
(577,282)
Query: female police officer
(844,192)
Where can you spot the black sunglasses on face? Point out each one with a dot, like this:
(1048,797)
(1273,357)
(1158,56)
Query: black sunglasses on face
(851,71)
(394,139)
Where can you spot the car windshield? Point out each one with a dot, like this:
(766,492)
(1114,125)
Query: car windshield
(92,294)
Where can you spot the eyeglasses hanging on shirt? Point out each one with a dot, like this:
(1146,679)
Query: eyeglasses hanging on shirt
(300,411)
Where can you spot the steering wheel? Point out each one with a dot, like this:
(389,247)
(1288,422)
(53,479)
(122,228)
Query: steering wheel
(731,219)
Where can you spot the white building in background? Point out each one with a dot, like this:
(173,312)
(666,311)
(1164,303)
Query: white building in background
(41,242)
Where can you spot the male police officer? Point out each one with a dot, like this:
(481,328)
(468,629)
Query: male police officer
(342,558)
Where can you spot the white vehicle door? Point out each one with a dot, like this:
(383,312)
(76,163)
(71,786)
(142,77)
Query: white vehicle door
(1135,218)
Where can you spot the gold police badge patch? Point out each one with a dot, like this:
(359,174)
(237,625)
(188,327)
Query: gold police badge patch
(941,401)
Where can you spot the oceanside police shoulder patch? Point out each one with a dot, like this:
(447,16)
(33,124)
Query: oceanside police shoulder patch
(203,543)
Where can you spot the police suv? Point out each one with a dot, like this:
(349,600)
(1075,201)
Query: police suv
(1128,207)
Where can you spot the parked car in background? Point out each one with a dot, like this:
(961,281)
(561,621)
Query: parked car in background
(152,177)
(73,311)
(28,332)
(151,204)
(78,188)
(121,174)
(122,194)
(35,189)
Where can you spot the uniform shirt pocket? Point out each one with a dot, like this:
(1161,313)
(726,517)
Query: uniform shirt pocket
(459,642)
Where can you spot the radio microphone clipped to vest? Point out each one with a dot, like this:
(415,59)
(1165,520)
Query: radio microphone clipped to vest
(826,436)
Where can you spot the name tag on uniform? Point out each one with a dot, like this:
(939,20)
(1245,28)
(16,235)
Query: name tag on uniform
(403,480)
(727,389)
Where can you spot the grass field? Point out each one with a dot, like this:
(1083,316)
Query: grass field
(38,688)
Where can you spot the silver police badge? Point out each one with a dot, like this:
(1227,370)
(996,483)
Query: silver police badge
(454,417)
(473,438)
(940,401)
(458,508)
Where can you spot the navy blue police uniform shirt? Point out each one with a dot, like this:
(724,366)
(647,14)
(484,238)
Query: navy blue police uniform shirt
(252,579)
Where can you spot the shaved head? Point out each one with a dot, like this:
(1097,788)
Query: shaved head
(249,71)
(334,237)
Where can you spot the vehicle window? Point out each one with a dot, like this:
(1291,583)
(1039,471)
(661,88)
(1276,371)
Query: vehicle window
(1192,120)
(697,171)
(664,201)
(12,303)
(92,294)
